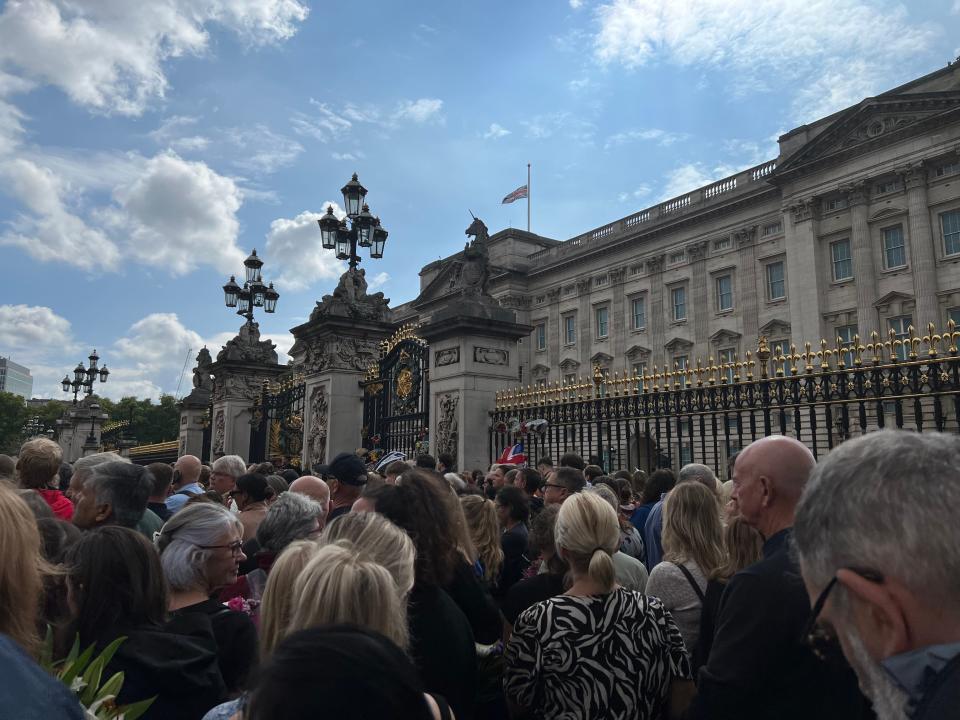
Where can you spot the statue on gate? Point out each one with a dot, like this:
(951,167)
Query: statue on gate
(201,373)
(475,269)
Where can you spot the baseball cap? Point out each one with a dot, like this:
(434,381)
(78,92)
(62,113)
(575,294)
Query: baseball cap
(346,467)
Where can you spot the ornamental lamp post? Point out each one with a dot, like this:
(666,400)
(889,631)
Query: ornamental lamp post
(363,231)
(84,377)
(254,293)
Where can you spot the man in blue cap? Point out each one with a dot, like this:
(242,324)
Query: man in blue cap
(346,475)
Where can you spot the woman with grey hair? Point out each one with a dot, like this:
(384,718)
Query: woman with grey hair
(200,552)
(292,517)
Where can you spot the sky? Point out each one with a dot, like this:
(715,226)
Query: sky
(146,147)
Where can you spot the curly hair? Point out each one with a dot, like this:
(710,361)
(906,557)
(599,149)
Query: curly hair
(481,517)
(418,505)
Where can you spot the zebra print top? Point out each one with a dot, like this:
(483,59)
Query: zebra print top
(604,656)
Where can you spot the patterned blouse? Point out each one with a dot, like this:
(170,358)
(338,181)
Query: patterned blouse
(604,656)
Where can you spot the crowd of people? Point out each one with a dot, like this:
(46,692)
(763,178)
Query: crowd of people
(793,589)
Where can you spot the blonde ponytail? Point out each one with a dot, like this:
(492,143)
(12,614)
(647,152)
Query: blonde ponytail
(589,531)
(601,569)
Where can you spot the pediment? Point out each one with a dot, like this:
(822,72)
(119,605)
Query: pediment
(637,352)
(776,329)
(601,359)
(872,123)
(569,365)
(893,297)
(887,212)
(539,370)
(725,337)
(678,344)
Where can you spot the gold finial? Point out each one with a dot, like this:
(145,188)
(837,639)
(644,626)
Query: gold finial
(699,372)
(931,339)
(763,355)
(893,343)
(807,359)
(913,342)
(951,335)
(857,350)
(712,368)
(749,365)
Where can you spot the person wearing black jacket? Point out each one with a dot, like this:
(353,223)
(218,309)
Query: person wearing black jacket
(760,666)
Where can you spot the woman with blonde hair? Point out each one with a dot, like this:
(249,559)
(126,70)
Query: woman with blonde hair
(376,537)
(693,548)
(481,515)
(558,657)
(277,605)
(21,571)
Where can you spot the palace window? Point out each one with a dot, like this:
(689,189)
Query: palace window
(638,307)
(836,203)
(722,243)
(887,186)
(724,293)
(779,347)
(639,369)
(846,333)
(950,225)
(894,251)
(951,168)
(541,332)
(900,326)
(773,228)
(954,314)
(727,356)
(776,286)
(602,323)
(676,257)
(678,296)
(840,257)
(569,329)
(680,362)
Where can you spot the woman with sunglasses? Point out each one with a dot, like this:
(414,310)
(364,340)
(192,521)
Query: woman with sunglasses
(200,551)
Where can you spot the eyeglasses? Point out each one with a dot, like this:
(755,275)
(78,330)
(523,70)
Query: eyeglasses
(235,547)
(562,487)
(823,640)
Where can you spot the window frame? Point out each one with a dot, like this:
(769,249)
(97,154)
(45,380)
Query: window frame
(642,299)
(605,326)
(718,295)
(834,262)
(769,283)
(902,247)
(674,305)
(838,332)
(540,334)
(569,321)
(905,321)
(954,213)
(731,353)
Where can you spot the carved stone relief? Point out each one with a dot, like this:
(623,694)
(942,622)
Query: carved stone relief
(238,387)
(446,357)
(339,354)
(317,437)
(802,210)
(248,347)
(350,299)
(447,425)
(218,433)
(491,356)
(654,264)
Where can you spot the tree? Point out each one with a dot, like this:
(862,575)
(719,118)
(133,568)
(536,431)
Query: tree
(13,415)
(149,422)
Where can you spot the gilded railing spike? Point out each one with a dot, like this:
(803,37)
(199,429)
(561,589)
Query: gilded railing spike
(750,363)
(913,341)
(763,355)
(808,356)
(893,344)
(952,336)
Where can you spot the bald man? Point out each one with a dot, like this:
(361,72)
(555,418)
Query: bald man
(760,665)
(186,482)
(315,489)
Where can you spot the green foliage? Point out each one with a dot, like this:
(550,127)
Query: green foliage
(149,422)
(82,673)
(13,414)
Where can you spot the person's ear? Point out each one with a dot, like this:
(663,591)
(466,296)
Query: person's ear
(766,490)
(103,513)
(334,485)
(876,611)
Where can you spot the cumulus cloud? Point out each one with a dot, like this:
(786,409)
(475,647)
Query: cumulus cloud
(756,39)
(179,215)
(495,132)
(293,245)
(49,230)
(110,56)
(323,124)
(379,280)
(691,176)
(33,328)
(419,111)
(263,151)
(660,137)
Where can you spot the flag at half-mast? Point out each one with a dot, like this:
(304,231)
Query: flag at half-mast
(518,194)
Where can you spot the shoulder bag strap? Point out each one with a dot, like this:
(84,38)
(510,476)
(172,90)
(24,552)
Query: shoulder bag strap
(693,583)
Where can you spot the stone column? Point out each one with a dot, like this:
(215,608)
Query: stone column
(922,255)
(656,312)
(618,319)
(747,283)
(699,296)
(75,430)
(864,267)
(479,356)
(554,332)
(803,280)
(585,323)
(193,424)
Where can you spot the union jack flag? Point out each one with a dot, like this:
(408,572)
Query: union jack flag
(520,192)
(512,455)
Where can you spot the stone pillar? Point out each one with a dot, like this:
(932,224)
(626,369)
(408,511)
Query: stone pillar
(333,353)
(554,331)
(747,283)
(922,255)
(656,312)
(463,391)
(699,295)
(618,318)
(864,267)
(194,411)
(80,430)
(803,280)
(585,329)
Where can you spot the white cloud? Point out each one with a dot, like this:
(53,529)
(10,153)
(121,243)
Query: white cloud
(379,280)
(324,125)
(356,155)
(109,56)
(661,137)
(170,135)
(956,7)
(559,123)
(691,176)
(495,132)
(179,215)
(294,246)
(419,111)
(33,328)
(578,85)
(263,151)
(638,194)
(576,4)
(50,230)
(756,39)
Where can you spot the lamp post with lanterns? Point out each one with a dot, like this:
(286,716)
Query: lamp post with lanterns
(364,230)
(254,293)
(84,377)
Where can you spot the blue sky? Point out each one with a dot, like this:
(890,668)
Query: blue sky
(147,147)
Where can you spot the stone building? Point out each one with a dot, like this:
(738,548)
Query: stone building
(854,227)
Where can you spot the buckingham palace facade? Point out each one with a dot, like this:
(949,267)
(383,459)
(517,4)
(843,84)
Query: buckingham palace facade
(853,228)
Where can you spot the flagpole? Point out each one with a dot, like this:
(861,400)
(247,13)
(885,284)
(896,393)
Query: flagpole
(528,197)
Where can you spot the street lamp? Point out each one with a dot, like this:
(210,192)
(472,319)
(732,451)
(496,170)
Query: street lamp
(94,411)
(84,377)
(364,230)
(254,293)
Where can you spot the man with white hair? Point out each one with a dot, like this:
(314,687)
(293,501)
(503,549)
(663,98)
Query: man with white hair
(224,473)
(653,529)
(878,539)
(760,665)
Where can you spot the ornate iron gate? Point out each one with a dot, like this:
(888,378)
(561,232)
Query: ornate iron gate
(397,396)
(276,423)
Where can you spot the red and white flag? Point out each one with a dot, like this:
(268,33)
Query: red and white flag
(512,455)
(519,193)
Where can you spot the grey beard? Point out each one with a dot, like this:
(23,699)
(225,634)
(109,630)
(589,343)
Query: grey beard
(889,700)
